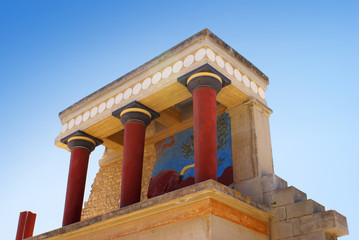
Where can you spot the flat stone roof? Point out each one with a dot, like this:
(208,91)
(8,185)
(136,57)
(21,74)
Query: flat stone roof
(159,58)
(209,185)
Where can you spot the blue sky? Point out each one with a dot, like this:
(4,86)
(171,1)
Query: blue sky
(53,53)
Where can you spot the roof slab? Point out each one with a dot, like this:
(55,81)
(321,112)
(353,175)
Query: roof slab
(155,84)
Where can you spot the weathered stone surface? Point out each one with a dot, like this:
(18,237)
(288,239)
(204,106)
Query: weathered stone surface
(285,229)
(330,221)
(149,158)
(272,182)
(317,236)
(106,189)
(284,196)
(251,187)
(303,208)
(279,214)
(256,187)
(251,144)
(291,238)
(222,229)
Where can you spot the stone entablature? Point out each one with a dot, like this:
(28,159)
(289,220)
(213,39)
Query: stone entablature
(163,72)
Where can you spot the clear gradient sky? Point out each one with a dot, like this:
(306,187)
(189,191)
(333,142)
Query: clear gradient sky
(53,53)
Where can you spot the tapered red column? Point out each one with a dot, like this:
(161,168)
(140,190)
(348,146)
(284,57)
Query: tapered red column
(81,146)
(135,121)
(26,225)
(204,87)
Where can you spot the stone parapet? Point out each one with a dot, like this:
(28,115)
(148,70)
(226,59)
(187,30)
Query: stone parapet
(330,221)
(284,196)
(207,210)
(294,216)
(304,208)
(257,187)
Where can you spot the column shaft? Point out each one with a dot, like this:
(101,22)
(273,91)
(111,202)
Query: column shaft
(205,133)
(76,185)
(26,225)
(134,140)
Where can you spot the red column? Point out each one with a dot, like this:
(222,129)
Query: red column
(133,147)
(76,185)
(26,225)
(205,134)
(80,145)
(204,87)
(135,120)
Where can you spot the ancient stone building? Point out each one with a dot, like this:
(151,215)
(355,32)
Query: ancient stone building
(188,155)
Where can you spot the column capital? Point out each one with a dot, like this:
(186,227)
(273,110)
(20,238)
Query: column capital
(80,139)
(204,79)
(204,76)
(135,112)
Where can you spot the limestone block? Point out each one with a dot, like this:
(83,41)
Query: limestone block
(279,213)
(284,196)
(300,209)
(251,143)
(251,187)
(242,149)
(255,187)
(285,229)
(317,236)
(291,238)
(330,221)
(223,229)
(263,148)
(272,182)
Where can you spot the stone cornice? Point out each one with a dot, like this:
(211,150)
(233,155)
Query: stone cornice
(159,58)
(156,75)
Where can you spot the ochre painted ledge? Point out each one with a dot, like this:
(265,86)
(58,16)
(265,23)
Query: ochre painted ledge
(204,199)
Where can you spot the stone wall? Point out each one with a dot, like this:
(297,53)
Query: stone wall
(149,159)
(294,216)
(106,188)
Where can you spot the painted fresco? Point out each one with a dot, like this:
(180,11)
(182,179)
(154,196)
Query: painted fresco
(174,166)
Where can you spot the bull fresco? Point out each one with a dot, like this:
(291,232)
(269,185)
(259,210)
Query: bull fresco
(174,166)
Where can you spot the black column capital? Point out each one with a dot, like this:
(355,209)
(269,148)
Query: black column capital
(204,76)
(204,79)
(135,112)
(80,139)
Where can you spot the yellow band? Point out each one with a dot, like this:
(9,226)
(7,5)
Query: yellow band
(186,167)
(208,74)
(136,110)
(81,147)
(82,138)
